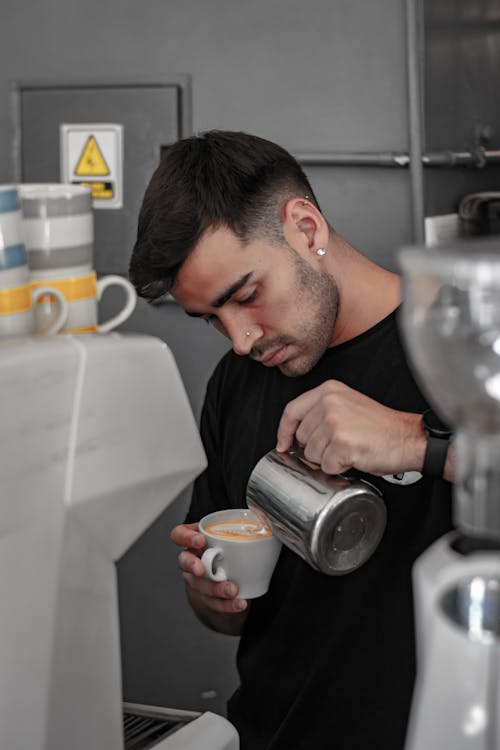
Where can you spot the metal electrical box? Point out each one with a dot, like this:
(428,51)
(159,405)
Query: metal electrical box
(147,117)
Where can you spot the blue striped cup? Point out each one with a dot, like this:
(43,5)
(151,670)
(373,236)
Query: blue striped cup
(12,247)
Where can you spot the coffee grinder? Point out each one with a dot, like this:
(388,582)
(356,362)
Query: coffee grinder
(451,322)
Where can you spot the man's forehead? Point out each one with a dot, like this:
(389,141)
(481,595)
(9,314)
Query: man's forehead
(215,263)
(219,235)
(214,271)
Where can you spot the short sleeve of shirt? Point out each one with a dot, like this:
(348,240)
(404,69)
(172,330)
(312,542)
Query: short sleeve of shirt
(209,491)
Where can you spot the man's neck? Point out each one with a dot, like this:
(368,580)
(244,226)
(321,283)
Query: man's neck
(368,293)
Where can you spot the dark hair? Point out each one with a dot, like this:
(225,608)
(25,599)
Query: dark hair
(218,178)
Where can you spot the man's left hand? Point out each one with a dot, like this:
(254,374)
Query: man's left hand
(340,428)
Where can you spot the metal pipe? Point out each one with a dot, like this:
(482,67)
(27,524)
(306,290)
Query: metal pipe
(353,159)
(414,57)
(479,158)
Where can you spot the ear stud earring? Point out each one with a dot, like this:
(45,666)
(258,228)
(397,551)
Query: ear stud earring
(247,333)
(321,251)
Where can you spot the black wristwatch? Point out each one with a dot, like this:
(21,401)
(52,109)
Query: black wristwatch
(438,436)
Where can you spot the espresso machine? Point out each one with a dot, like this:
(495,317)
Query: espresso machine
(451,322)
(96,439)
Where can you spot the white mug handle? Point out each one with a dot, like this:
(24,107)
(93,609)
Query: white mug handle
(130,303)
(208,559)
(62,302)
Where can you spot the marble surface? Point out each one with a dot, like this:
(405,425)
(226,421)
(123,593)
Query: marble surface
(96,439)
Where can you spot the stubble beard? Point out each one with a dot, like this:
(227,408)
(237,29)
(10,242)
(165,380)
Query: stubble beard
(317,295)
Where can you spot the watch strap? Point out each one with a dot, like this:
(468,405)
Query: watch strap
(435,456)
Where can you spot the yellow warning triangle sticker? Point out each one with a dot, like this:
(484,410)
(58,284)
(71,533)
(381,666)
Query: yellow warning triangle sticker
(91,162)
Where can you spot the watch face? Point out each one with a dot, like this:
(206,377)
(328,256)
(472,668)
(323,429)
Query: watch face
(435,426)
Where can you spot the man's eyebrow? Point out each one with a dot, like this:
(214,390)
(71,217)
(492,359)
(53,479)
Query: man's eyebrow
(225,296)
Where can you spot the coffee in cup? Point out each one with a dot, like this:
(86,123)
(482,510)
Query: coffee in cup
(238,528)
(240,548)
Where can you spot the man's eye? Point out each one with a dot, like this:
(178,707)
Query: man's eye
(251,297)
(209,318)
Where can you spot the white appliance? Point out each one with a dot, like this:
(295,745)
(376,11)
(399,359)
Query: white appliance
(451,319)
(96,438)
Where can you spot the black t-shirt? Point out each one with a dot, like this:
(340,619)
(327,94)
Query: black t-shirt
(324,661)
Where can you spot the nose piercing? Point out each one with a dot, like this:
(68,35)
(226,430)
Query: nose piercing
(321,251)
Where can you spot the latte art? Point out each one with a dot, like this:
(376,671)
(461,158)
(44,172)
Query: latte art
(238,528)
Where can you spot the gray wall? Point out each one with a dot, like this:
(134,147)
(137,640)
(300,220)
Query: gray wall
(322,75)
(327,74)
(462,106)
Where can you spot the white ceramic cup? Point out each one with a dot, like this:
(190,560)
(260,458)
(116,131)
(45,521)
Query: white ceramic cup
(246,558)
(58,225)
(82,291)
(16,295)
(17,317)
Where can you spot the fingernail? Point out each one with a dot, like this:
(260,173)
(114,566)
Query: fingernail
(198,540)
(240,604)
(229,589)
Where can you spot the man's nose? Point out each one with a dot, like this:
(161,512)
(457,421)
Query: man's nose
(244,337)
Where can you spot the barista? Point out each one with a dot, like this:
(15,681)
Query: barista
(231,227)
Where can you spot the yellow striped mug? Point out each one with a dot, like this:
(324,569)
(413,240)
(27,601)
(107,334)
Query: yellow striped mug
(82,290)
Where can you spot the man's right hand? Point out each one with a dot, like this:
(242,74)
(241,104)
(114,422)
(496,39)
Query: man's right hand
(216,603)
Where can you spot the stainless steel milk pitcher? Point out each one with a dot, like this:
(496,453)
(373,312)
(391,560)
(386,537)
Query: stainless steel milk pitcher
(334,523)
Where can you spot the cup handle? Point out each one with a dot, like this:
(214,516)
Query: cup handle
(130,303)
(62,314)
(208,558)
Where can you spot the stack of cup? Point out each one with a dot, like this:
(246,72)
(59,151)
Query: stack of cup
(59,234)
(16,294)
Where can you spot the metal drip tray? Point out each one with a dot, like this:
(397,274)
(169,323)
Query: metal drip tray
(145,727)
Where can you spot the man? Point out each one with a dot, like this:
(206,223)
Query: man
(231,227)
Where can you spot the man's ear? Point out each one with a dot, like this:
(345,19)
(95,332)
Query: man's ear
(304,225)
